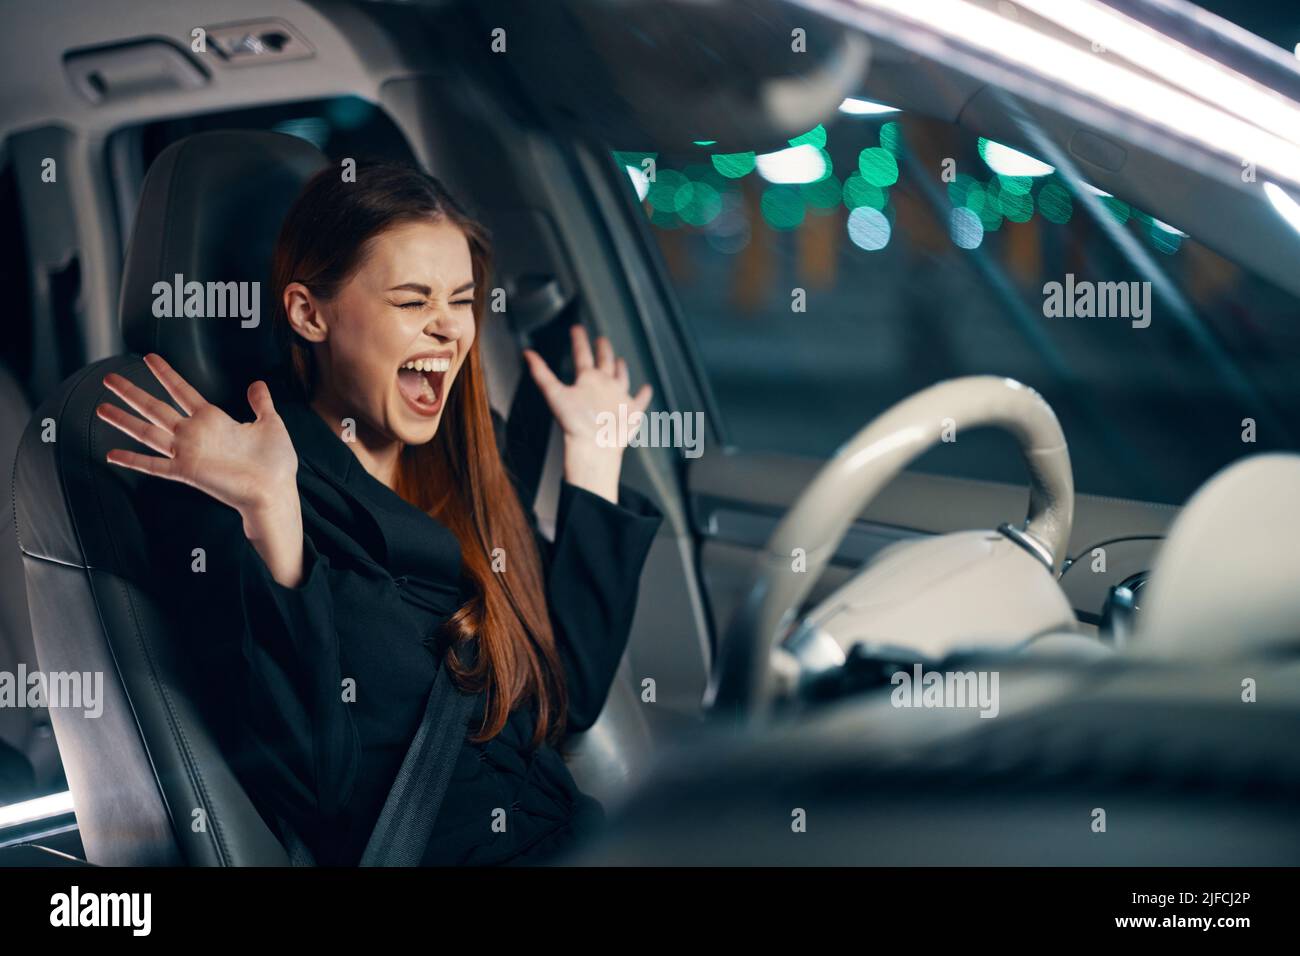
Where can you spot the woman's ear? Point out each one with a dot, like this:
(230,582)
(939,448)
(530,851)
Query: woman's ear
(304,314)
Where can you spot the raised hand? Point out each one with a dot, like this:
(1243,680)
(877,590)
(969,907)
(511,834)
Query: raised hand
(251,467)
(600,386)
(238,464)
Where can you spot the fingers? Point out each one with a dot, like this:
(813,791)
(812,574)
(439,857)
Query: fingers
(259,398)
(147,434)
(157,411)
(641,401)
(620,373)
(604,355)
(180,390)
(582,358)
(148,464)
(541,372)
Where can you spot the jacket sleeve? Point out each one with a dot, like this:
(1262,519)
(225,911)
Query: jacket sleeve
(295,714)
(593,573)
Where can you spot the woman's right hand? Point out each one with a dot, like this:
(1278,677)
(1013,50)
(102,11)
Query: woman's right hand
(250,467)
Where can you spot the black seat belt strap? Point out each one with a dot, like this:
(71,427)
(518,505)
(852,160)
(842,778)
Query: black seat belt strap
(406,822)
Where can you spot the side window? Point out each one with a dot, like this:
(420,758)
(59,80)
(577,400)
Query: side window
(340,127)
(15,281)
(885,252)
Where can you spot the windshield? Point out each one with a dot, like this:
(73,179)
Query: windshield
(885,251)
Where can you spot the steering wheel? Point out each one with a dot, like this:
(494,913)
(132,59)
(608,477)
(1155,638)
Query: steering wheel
(742,682)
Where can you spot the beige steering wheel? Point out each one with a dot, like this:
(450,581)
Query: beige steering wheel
(741,684)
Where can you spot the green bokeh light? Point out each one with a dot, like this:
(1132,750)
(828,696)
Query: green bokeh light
(1017,207)
(734,165)
(1118,208)
(1017,185)
(858,192)
(814,137)
(823,194)
(1055,204)
(782,207)
(960,188)
(878,166)
(891,137)
(632,157)
(665,219)
(990,206)
(1164,240)
(666,191)
(705,173)
(702,205)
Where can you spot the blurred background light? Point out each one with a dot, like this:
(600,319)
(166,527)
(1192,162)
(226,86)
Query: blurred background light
(965,228)
(814,137)
(1285,205)
(1165,227)
(869,229)
(782,207)
(313,129)
(891,138)
(734,165)
(1190,95)
(640,181)
(666,193)
(1006,161)
(878,166)
(798,164)
(1055,204)
(856,107)
(858,192)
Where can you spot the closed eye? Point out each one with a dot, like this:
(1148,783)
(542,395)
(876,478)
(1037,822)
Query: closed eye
(409,305)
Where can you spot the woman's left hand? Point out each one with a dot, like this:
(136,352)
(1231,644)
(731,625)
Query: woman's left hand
(589,411)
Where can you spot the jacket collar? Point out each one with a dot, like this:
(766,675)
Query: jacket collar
(312,438)
(403,530)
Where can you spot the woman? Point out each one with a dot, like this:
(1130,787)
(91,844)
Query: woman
(380,528)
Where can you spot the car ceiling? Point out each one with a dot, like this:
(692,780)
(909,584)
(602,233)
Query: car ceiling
(356,54)
(353,55)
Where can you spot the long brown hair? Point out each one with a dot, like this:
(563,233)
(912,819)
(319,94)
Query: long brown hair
(458,478)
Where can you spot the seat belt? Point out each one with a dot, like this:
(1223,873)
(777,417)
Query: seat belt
(540,314)
(405,824)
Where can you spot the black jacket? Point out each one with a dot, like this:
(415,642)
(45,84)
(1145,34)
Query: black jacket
(336,672)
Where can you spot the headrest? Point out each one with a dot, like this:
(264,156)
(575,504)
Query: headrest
(210,211)
(1224,582)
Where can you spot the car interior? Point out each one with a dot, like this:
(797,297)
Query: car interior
(125,155)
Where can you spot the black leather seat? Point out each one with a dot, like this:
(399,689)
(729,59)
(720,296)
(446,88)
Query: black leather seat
(28,762)
(151,778)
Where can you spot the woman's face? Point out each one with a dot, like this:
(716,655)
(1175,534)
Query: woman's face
(397,333)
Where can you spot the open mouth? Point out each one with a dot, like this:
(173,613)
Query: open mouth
(420,381)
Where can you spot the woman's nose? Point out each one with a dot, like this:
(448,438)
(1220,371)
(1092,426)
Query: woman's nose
(444,325)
